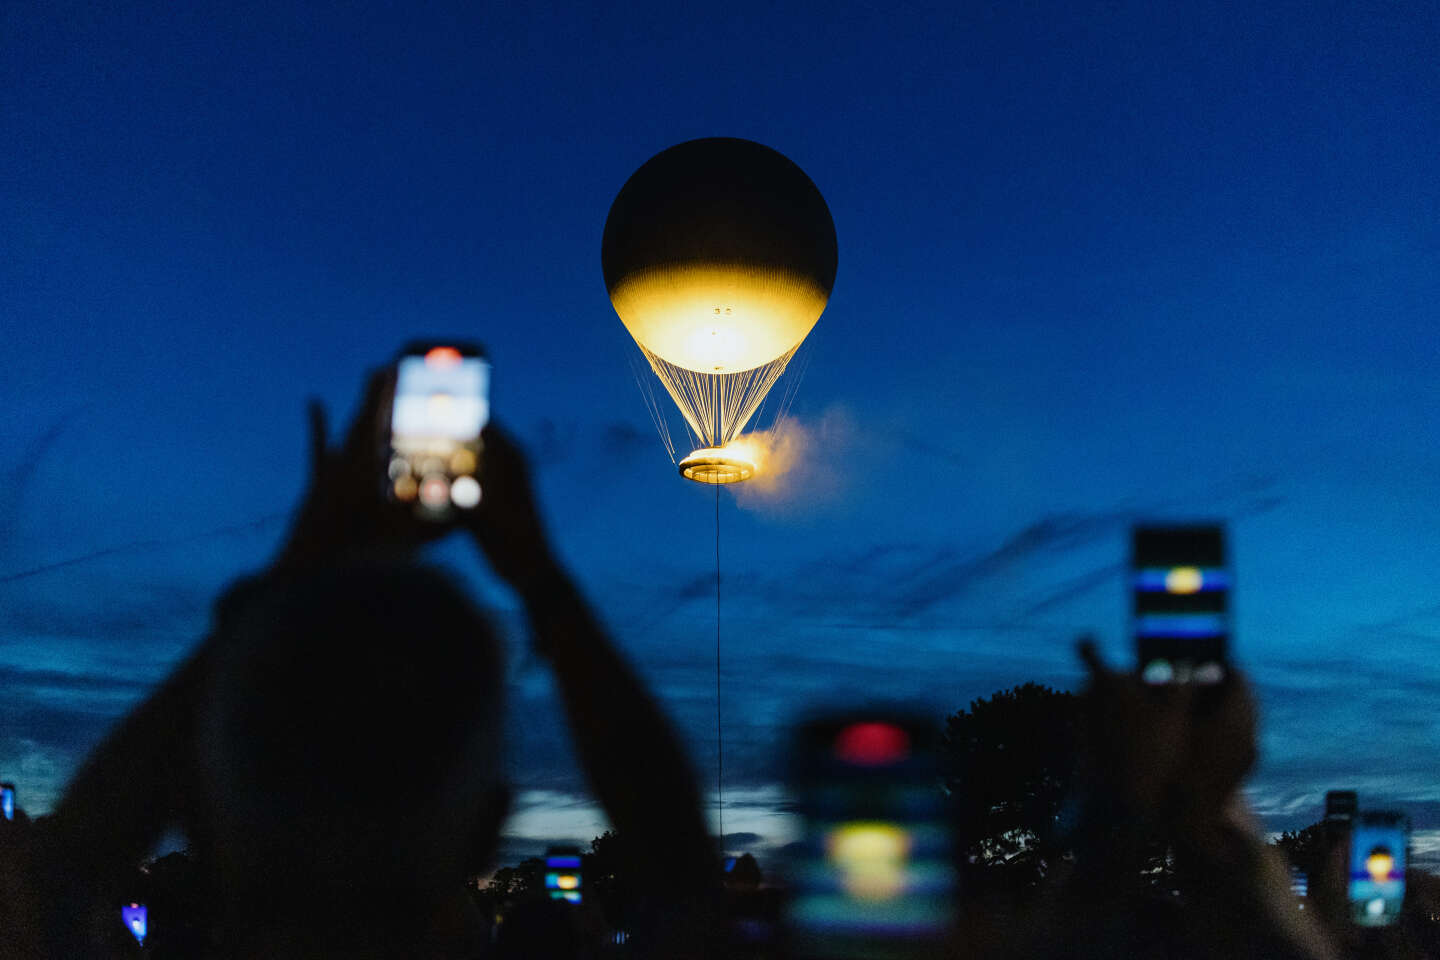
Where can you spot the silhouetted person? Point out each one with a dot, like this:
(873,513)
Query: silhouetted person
(1164,767)
(542,930)
(19,936)
(333,749)
(1328,904)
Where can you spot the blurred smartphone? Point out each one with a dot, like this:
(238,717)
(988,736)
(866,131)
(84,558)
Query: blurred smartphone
(1299,885)
(1340,806)
(7,800)
(1378,848)
(872,876)
(1181,616)
(442,402)
(562,874)
(133,915)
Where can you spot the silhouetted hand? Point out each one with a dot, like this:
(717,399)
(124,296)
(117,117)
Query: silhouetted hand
(1169,758)
(507,522)
(344,512)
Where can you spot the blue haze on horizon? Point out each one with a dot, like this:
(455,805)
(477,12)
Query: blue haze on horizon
(1098,262)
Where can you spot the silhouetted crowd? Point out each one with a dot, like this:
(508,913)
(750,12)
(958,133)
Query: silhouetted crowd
(333,751)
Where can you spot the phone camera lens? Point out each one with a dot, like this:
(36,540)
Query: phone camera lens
(465,492)
(435,491)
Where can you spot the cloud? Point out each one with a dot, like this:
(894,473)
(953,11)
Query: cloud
(19,477)
(1425,850)
(950,574)
(893,584)
(52,718)
(1345,724)
(759,819)
(1072,589)
(90,611)
(625,438)
(258,524)
(21,682)
(551,441)
(37,770)
(918,444)
(1050,564)
(543,818)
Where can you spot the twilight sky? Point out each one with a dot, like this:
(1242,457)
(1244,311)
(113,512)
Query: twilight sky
(1098,262)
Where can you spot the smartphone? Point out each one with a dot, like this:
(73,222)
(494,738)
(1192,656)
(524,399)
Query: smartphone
(872,876)
(1340,806)
(1299,885)
(7,800)
(562,874)
(442,402)
(134,917)
(1379,841)
(1181,607)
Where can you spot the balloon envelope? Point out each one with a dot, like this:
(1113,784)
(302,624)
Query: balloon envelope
(719,256)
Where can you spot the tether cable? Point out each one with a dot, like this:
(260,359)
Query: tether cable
(719,730)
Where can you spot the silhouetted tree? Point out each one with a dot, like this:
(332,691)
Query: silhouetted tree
(745,875)
(1306,849)
(1009,765)
(603,874)
(524,881)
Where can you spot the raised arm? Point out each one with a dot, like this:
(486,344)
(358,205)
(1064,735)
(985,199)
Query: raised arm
(140,781)
(144,777)
(1167,765)
(626,745)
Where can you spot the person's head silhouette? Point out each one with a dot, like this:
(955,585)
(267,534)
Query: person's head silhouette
(351,745)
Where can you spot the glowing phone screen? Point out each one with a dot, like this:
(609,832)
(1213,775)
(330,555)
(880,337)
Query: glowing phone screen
(1378,844)
(134,917)
(442,402)
(1181,603)
(872,877)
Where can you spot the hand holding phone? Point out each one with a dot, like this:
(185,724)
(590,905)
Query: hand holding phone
(343,512)
(1379,847)
(1159,755)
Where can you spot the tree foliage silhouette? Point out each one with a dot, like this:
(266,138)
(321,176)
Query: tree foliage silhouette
(604,875)
(1009,765)
(1307,848)
(745,874)
(524,881)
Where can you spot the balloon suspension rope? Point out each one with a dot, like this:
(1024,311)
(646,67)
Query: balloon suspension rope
(719,734)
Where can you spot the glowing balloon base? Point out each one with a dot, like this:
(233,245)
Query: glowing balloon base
(716,465)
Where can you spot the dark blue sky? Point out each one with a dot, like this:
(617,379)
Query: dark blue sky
(1097,261)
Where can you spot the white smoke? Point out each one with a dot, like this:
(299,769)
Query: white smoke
(800,466)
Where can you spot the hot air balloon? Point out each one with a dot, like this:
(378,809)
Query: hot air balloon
(719,256)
